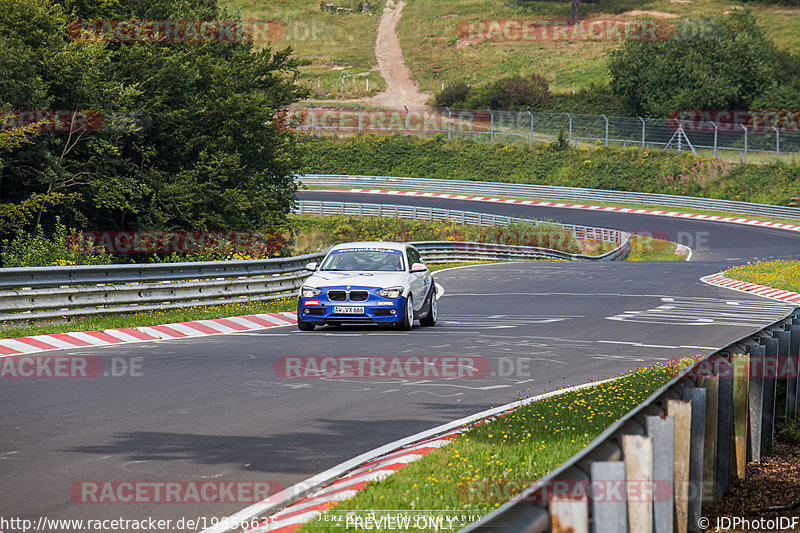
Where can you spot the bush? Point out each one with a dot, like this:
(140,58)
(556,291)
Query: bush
(697,69)
(37,249)
(454,95)
(594,100)
(531,93)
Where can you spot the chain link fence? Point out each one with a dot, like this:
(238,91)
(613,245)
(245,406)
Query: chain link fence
(729,141)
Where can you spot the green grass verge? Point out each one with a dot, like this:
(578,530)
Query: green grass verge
(783,275)
(150,318)
(649,249)
(490,463)
(599,168)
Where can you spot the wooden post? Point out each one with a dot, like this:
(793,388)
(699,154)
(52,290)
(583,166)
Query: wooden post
(681,412)
(608,512)
(638,455)
(711,385)
(724,427)
(569,515)
(697,395)
(741,379)
(662,430)
(756,401)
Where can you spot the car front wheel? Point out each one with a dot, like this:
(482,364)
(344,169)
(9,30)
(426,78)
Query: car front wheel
(304,326)
(408,316)
(433,312)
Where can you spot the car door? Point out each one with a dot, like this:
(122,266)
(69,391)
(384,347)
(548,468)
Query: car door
(419,281)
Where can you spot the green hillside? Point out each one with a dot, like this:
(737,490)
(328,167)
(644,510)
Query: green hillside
(341,45)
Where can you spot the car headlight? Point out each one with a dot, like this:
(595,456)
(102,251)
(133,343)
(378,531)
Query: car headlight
(309,292)
(391,292)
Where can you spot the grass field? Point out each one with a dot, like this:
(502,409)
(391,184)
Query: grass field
(436,55)
(340,46)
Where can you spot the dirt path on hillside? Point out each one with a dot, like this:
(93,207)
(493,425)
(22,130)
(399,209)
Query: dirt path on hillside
(401,89)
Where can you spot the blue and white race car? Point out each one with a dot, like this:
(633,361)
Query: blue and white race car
(368,283)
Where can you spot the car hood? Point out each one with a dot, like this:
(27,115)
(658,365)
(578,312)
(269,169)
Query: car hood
(361,279)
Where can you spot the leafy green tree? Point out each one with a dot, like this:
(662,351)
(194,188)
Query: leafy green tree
(187,138)
(724,63)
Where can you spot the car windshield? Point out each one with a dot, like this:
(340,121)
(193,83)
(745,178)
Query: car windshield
(354,259)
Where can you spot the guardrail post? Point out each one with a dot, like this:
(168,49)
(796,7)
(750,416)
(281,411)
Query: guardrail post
(781,384)
(716,133)
(313,121)
(681,413)
(404,107)
(491,130)
(530,137)
(637,451)
(662,430)
(643,131)
(745,141)
(724,427)
(771,345)
(697,396)
(608,513)
(741,377)
(359,118)
(606,119)
(755,394)
(711,386)
(569,138)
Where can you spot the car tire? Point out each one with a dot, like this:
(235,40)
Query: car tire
(433,311)
(304,326)
(408,316)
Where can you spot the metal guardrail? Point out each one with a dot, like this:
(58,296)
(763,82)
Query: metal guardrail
(58,293)
(710,419)
(459,252)
(474,218)
(38,294)
(448,251)
(546,192)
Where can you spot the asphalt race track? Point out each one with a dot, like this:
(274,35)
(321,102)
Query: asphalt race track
(213,408)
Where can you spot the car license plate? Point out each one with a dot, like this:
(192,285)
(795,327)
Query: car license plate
(348,310)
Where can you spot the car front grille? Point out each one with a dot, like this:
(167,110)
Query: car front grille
(337,296)
(359,296)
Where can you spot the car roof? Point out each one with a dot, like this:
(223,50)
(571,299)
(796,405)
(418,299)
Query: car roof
(373,244)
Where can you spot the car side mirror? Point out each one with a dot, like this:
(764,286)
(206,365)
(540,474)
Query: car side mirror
(418,267)
(311,266)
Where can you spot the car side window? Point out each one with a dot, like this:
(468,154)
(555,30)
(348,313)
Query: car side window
(409,258)
(417,257)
